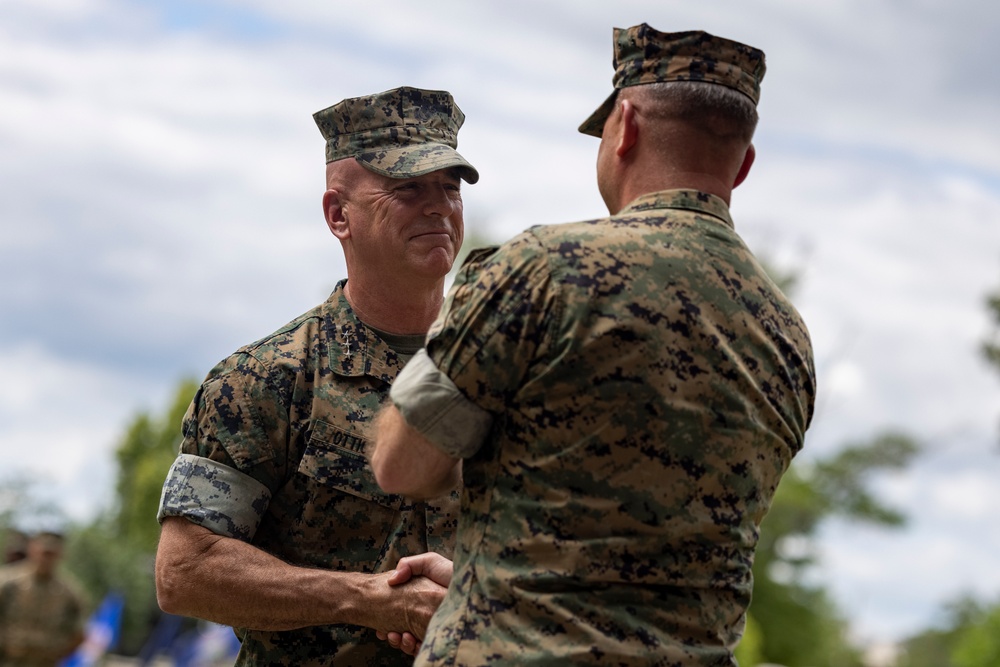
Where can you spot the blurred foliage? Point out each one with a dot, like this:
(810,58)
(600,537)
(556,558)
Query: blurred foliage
(102,560)
(144,455)
(749,651)
(939,647)
(931,648)
(786,279)
(978,641)
(22,508)
(799,624)
(116,551)
(990,347)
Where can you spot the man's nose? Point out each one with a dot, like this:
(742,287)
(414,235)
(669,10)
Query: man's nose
(439,202)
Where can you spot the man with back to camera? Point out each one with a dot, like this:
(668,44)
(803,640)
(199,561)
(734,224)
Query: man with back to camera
(271,519)
(620,397)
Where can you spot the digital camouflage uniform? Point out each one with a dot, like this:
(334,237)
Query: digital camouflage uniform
(39,618)
(291,413)
(625,394)
(650,384)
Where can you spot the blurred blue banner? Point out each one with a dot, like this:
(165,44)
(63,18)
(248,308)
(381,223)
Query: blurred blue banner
(210,644)
(103,630)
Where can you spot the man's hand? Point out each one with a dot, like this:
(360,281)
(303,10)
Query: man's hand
(430,565)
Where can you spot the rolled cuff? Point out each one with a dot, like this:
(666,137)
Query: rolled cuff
(432,404)
(215,496)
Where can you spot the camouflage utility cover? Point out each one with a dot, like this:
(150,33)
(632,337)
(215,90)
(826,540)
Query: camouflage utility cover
(650,385)
(292,411)
(399,133)
(644,55)
(39,618)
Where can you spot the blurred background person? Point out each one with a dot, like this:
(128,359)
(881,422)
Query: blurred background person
(42,612)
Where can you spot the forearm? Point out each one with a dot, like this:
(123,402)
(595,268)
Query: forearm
(204,575)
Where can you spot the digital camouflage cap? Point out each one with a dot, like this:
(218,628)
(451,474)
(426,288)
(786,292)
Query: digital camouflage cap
(645,55)
(399,133)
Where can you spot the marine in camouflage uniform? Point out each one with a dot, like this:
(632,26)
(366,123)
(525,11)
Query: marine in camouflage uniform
(274,442)
(42,613)
(624,395)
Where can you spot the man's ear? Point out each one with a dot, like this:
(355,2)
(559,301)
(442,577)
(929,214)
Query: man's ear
(333,211)
(748,159)
(628,132)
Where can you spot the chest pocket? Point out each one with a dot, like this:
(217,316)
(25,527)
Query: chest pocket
(336,458)
(343,520)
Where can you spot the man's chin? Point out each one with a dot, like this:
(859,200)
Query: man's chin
(435,264)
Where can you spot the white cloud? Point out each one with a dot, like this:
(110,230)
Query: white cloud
(60,420)
(969,496)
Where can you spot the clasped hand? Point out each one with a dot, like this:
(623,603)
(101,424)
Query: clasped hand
(431,566)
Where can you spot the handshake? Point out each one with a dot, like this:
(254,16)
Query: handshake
(419,583)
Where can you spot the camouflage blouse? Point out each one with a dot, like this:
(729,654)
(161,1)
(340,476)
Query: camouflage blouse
(648,386)
(274,453)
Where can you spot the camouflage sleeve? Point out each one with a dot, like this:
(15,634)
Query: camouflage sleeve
(240,417)
(234,445)
(431,403)
(215,496)
(497,322)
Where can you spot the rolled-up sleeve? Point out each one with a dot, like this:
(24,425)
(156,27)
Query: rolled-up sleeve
(215,496)
(432,404)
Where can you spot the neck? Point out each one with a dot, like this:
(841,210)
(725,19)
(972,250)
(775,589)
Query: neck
(395,308)
(654,181)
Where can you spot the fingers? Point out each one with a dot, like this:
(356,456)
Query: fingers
(409,644)
(404,641)
(432,565)
(401,574)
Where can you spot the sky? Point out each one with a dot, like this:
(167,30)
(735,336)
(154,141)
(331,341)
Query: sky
(161,176)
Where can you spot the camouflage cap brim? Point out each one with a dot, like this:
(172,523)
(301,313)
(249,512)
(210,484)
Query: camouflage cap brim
(417,160)
(594,125)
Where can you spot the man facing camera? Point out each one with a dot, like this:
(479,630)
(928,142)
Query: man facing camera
(271,518)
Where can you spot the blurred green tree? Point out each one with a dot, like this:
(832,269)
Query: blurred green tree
(977,643)
(22,507)
(990,347)
(144,455)
(115,552)
(935,647)
(749,650)
(799,624)
(795,622)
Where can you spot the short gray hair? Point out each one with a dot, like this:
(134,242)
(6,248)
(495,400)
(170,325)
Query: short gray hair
(723,112)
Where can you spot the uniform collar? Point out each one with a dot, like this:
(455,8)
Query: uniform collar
(355,349)
(692,200)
